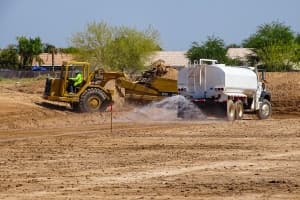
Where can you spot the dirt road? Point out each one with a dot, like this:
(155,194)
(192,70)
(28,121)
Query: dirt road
(217,160)
(56,154)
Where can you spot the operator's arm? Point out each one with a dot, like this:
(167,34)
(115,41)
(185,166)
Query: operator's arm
(76,78)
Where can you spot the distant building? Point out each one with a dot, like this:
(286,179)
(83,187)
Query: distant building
(58,59)
(172,58)
(240,53)
(176,59)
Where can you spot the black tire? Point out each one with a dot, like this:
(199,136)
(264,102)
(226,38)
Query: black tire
(230,110)
(239,110)
(93,100)
(265,110)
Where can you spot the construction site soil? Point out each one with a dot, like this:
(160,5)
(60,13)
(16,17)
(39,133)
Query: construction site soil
(49,152)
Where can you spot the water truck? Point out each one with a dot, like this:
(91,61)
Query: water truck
(229,90)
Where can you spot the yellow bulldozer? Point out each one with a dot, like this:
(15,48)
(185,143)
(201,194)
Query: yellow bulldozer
(92,95)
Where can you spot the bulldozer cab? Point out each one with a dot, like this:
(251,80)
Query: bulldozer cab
(68,71)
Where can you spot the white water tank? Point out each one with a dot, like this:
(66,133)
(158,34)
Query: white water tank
(207,81)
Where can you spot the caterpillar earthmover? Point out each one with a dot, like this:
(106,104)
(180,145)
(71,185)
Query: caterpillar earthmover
(92,95)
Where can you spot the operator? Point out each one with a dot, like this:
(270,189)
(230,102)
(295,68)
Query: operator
(76,81)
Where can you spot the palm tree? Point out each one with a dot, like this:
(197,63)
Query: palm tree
(49,48)
(29,49)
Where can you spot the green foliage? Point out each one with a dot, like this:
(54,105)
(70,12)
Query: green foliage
(213,48)
(274,45)
(297,52)
(234,62)
(29,49)
(93,42)
(276,57)
(270,34)
(130,48)
(233,46)
(69,50)
(49,48)
(118,48)
(297,39)
(9,58)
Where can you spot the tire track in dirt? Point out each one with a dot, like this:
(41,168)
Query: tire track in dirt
(105,129)
(174,171)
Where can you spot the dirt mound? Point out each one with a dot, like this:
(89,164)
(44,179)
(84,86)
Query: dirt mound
(118,96)
(22,107)
(285,88)
(27,86)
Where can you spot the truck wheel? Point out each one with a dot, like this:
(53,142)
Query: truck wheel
(92,100)
(265,110)
(230,110)
(239,110)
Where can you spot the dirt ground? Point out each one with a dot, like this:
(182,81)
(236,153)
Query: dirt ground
(49,152)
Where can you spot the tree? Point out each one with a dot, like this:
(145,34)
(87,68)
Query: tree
(269,34)
(9,58)
(274,44)
(49,48)
(297,38)
(119,48)
(69,50)
(296,57)
(130,49)
(213,48)
(29,49)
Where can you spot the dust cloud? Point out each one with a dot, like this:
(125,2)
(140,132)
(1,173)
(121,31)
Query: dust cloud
(175,108)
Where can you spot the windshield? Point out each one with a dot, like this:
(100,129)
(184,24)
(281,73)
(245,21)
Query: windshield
(70,71)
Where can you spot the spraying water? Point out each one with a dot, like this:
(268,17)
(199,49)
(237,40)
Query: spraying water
(169,109)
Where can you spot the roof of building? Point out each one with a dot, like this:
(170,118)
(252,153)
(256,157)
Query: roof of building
(171,58)
(239,53)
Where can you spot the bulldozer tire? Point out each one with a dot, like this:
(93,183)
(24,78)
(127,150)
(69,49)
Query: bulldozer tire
(93,100)
(265,110)
(239,110)
(230,110)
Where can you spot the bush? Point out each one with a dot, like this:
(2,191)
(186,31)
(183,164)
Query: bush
(213,48)
(275,46)
(9,58)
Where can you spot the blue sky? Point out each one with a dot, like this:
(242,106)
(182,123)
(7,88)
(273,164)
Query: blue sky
(179,22)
